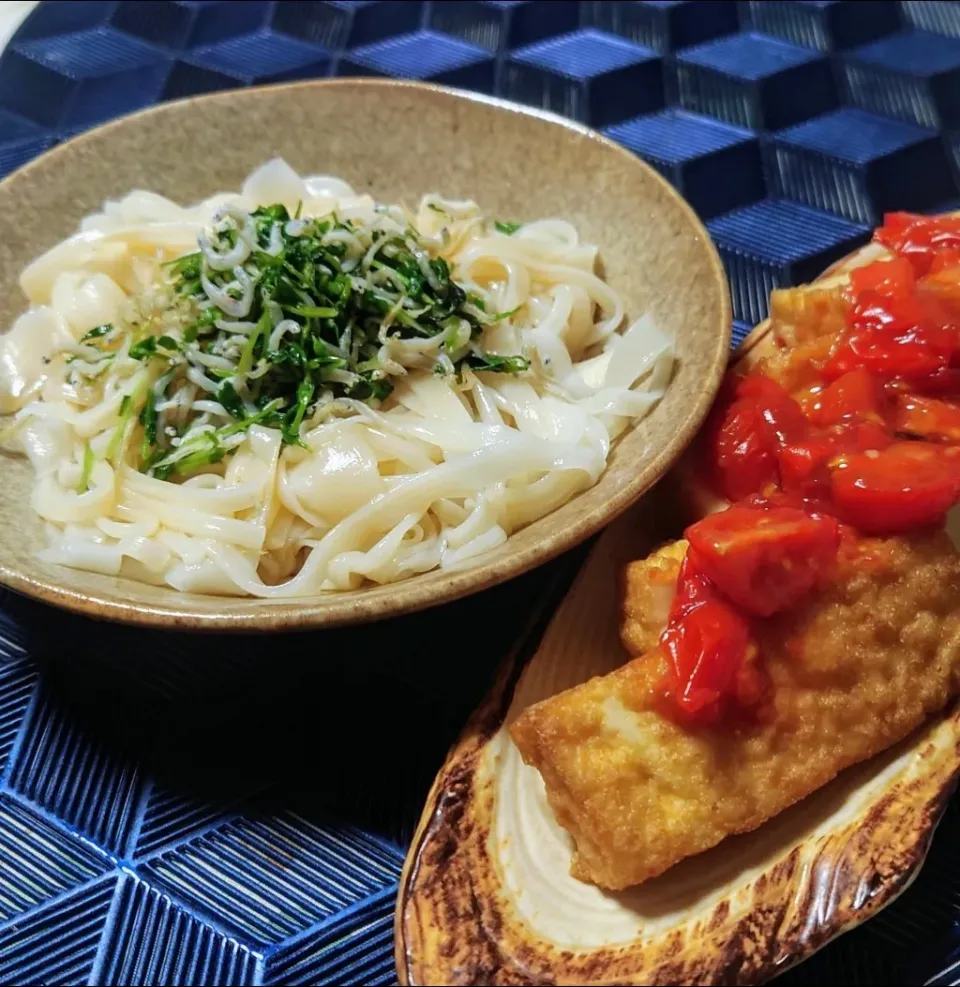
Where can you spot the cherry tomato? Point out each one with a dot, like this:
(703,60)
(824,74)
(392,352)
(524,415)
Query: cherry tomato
(919,239)
(940,290)
(760,419)
(854,395)
(893,222)
(886,277)
(780,411)
(947,259)
(705,642)
(945,381)
(745,453)
(764,559)
(920,317)
(871,363)
(804,464)
(927,418)
(907,485)
(693,587)
(895,336)
(810,503)
(910,355)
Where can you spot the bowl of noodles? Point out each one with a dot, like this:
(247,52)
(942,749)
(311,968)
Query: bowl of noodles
(335,351)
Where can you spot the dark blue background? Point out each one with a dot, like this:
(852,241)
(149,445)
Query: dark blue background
(177,809)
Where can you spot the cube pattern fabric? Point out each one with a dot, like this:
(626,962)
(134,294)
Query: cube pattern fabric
(177,809)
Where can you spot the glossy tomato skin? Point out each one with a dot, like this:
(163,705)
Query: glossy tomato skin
(907,357)
(895,336)
(805,465)
(855,395)
(908,485)
(897,325)
(947,259)
(808,479)
(919,239)
(705,642)
(927,418)
(764,558)
(782,413)
(761,417)
(744,455)
(942,383)
(889,277)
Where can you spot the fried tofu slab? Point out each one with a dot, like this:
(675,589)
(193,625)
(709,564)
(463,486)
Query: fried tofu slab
(855,669)
(648,588)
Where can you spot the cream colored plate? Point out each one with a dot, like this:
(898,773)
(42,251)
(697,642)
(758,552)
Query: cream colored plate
(486,896)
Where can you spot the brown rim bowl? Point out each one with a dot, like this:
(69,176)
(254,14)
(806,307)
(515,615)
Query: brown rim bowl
(395,140)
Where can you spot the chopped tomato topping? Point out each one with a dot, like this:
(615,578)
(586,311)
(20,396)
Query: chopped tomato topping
(764,558)
(919,239)
(804,465)
(887,278)
(761,418)
(863,440)
(782,414)
(909,355)
(705,642)
(947,260)
(942,382)
(854,395)
(927,418)
(895,336)
(907,485)
(745,454)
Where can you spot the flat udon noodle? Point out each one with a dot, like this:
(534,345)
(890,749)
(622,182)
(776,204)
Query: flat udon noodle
(439,474)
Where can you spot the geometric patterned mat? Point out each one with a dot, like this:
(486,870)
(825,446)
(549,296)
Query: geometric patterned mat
(179,809)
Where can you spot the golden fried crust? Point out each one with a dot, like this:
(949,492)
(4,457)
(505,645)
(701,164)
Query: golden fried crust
(854,670)
(648,588)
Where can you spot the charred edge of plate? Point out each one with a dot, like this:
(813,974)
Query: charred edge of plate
(449,862)
(445,819)
(774,935)
(446,826)
(446,888)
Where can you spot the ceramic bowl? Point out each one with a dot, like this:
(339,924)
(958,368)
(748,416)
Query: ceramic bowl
(396,140)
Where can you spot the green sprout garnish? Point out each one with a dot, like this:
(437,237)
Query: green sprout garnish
(316,313)
(87,469)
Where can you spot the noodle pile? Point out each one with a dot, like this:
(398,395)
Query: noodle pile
(430,382)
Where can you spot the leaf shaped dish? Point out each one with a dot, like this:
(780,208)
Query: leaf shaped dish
(486,896)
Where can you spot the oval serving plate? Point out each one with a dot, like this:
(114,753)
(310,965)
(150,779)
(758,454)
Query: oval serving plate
(486,896)
(513,161)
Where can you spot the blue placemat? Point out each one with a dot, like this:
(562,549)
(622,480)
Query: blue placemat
(201,810)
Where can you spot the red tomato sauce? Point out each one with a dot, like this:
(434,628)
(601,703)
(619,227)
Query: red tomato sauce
(858,432)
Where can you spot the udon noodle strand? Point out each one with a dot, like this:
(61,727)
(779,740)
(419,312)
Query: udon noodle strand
(430,382)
